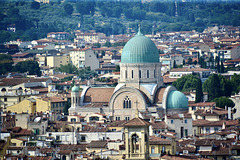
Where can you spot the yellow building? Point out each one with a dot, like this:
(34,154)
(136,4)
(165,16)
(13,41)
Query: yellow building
(54,104)
(25,106)
(4,144)
(18,142)
(56,61)
(159,147)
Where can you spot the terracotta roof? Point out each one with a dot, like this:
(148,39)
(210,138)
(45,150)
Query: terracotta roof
(166,79)
(65,152)
(32,148)
(202,104)
(98,95)
(183,157)
(199,122)
(220,151)
(159,125)
(136,122)
(40,46)
(46,150)
(179,116)
(73,147)
(215,123)
(97,144)
(61,76)
(157,140)
(185,69)
(20,54)
(39,158)
(16,81)
(189,149)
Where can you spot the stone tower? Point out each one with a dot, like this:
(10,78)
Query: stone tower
(136,138)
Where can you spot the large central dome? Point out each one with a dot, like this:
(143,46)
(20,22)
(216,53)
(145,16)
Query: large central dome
(140,49)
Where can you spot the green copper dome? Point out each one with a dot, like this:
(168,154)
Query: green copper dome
(140,49)
(176,100)
(75,89)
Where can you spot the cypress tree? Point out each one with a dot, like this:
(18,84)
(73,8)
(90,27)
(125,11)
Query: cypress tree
(174,64)
(199,92)
(221,67)
(214,88)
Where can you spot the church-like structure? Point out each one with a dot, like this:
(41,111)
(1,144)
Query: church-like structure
(140,87)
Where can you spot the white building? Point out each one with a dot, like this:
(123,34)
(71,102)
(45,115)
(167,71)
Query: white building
(84,58)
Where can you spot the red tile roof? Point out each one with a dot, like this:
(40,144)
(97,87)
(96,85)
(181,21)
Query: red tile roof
(136,122)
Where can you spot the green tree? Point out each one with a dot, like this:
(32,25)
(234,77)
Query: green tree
(68,8)
(67,105)
(186,83)
(184,62)
(117,68)
(223,101)
(86,73)
(4,36)
(35,5)
(13,12)
(217,86)
(68,68)
(235,82)
(221,67)
(199,92)
(201,62)
(190,60)
(212,86)
(174,64)
(217,64)
(32,67)
(97,45)
(6,63)
(108,44)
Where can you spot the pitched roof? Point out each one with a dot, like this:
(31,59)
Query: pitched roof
(158,140)
(65,152)
(97,144)
(185,69)
(98,95)
(136,122)
(16,81)
(159,125)
(203,104)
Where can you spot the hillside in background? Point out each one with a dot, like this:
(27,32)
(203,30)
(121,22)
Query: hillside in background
(34,20)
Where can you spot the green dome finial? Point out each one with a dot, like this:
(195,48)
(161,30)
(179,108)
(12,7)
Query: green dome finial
(139,31)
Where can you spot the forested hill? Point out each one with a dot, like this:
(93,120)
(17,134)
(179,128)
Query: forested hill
(34,20)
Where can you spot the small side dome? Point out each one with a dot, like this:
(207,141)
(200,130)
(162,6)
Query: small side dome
(177,100)
(75,89)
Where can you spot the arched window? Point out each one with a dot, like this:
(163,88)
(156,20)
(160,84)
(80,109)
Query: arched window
(127,102)
(154,72)
(135,143)
(140,74)
(152,149)
(132,74)
(147,73)
(4,90)
(125,73)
